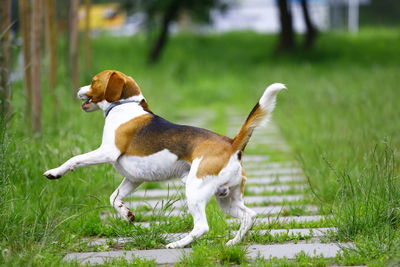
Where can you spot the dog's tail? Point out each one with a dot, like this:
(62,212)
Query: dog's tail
(260,114)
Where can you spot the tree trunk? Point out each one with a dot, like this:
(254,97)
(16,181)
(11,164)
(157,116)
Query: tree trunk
(24,19)
(36,35)
(162,39)
(87,38)
(51,44)
(51,41)
(286,38)
(5,56)
(74,46)
(311,30)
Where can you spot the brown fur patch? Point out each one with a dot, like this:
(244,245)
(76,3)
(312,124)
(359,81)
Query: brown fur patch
(130,88)
(112,86)
(244,179)
(145,106)
(126,133)
(243,137)
(215,157)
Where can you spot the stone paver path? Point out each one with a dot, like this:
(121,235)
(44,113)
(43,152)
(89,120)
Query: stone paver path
(276,190)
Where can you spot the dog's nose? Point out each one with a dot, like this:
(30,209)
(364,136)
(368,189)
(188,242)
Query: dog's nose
(222,192)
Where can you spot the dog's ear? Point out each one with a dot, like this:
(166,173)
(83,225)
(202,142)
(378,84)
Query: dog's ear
(114,87)
(130,88)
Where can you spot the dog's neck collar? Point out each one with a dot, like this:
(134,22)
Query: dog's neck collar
(117,103)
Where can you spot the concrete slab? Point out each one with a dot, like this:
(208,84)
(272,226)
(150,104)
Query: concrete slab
(327,250)
(247,199)
(274,172)
(285,219)
(158,204)
(161,256)
(262,211)
(93,242)
(171,256)
(269,142)
(179,207)
(180,211)
(274,188)
(260,220)
(248,164)
(278,179)
(267,210)
(272,199)
(145,224)
(172,192)
(173,212)
(177,186)
(314,232)
(255,158)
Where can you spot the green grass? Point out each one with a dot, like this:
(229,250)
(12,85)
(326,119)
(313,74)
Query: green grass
(206,254)
(340,117)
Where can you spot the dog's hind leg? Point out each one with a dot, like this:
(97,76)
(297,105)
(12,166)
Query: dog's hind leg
(121,192)
(233,205)
(198,193)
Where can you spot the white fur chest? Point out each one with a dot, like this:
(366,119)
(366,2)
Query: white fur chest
(156,167)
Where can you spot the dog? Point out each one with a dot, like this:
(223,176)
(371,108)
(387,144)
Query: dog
(144,147)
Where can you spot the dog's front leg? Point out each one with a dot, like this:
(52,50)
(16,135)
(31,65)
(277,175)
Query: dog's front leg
(98,156)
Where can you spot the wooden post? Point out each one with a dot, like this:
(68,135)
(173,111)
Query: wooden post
(87,38)
(5,55)
(51,43)
(74,46)
(24,20)
(51,46)
(36,34)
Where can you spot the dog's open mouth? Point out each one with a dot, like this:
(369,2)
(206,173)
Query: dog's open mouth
(86,104)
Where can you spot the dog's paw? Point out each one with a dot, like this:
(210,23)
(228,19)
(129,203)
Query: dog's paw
(53,174)
(174,245)
(231,243)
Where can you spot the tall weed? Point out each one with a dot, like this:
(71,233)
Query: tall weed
(368,203)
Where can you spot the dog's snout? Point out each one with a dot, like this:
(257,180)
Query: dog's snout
(81,93)
(77,93)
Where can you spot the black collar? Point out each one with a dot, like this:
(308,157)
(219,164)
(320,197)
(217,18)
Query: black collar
(114,104)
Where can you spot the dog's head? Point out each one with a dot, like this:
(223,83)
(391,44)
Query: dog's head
(107,87)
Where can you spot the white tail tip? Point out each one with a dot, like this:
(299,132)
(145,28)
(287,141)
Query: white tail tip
(267,101)
(276,87)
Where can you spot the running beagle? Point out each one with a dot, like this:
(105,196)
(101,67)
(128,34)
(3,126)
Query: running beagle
(144,147)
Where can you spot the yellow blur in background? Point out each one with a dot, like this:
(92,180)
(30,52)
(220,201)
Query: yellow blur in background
(102,16)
